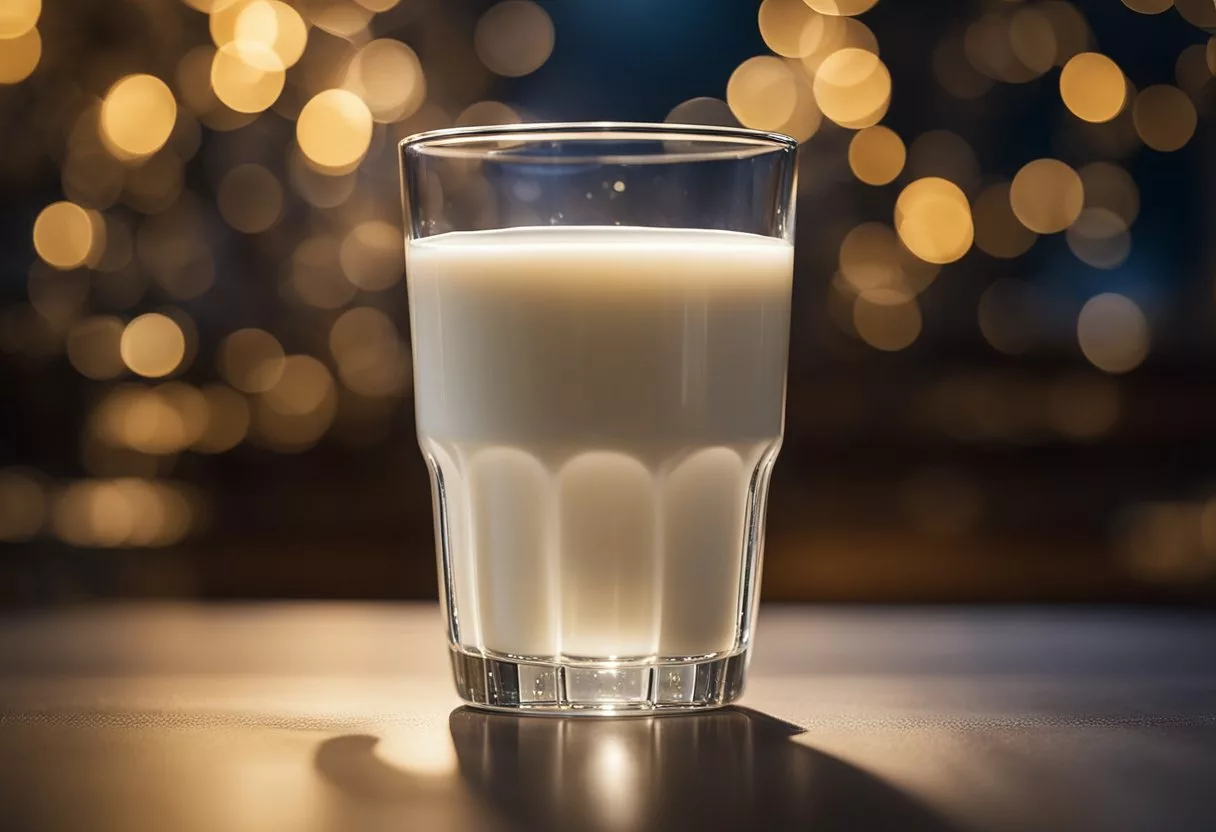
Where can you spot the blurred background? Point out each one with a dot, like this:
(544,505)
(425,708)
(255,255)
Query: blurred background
(1004,314)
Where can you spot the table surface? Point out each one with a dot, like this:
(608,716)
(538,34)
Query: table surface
(324,716)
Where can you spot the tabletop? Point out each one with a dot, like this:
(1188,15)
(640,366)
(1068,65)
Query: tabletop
(323,716)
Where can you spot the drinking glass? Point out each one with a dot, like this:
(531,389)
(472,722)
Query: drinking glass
(600,324)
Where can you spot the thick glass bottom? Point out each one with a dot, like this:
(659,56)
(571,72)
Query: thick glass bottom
(598,689)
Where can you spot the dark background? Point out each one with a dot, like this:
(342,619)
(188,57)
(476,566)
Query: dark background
(944,471)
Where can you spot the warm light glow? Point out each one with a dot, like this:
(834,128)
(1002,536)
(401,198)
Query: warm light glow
(886,319)
(19,57)
(841,8)
(1191,70)
(388,76)
(247,77)
(250,198)
(343,20)
(997,231)
(1099,238)
(302,387)
(137,116)
(876,155)
(485,113)
(320,189)
(423,750)
(514,38)
(1111,187)
(1113,333)
(124,512)
(853,87)
(18,17)
(155,184)
(22,506)
(316,274)
(273,25)
(790,27)
(64,235)
(1071,31)
(153,345)
(1033,40)
(371,358)
(870,258)
(1093,87)
(251,360)
(805,119)
(1047,196)
(334,129)
(227,420)
(1165,118)
(92,347)
(989,44)
(378,5)
(1200,13)
(1148,6)
(943,154)
(372,255)
(703,110)
(1085,407)
(832,35)
(761,93)
(933,220)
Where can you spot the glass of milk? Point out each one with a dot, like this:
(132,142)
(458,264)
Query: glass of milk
(600,324)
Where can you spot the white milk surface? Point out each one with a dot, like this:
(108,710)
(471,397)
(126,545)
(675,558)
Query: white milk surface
(597,400)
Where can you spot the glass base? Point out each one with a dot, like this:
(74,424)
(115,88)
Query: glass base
(515,686)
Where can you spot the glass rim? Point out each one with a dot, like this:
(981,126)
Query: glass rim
(486,141)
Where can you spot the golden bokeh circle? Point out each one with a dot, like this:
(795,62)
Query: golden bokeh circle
(153,345)
(998,232)
(1165,118)
(227,420)
(1149,6)
(514,38)
(887,319)
(703,110)
(251,360)
(19,57)
(790,28)
(18,17)
(486,113)
(93,347)
(841,8)
(302,387)
(1111,187)
(853,87)
(1093,87)
(933,219)
(250,198)
(137,116)
(876,155)
(762,93)
(247,77)
(1113,333)
(372,255)
(64,235)
(1099,238)
(23,505)
(271,24)
(1201,13)
(335,129)
(388,76)
(1047,196)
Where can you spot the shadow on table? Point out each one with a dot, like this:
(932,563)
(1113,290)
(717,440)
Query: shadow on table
(731,769)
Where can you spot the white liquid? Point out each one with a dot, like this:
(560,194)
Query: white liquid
(597,401)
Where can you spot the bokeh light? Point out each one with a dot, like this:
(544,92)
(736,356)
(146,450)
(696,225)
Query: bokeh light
(1099,238)
(1033,40)
(486,113)
(227,420)
(1165,118)
(998,231)
(19,57)
(270,24)
(1093,87)
(853,88)
(832,35)
(334,129)
(805,119)
(1111,187)
(790,27)
(294,414)
(944,154)
(127,511)
(1047,196)
(762,93)
(64,235)
(1113,333)
(250,198)
(887,319)
(703,110)
(1149,6)
(301,388)
(871,257)
(372,255)
(1071,31)
(316,273)
(388,76)
(1192,72)
(153,345)
(93,347)
(251,360)
(876,155)
(247,77)
(371,358)
(993,48)
(18,17)
(955,73)
(154,185)
(1083,407)
(841,7)
(23,505)
(137,116)
(933,220)
(1200,13)
(514,38)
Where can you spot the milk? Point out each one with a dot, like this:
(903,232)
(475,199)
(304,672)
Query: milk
(596,402)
